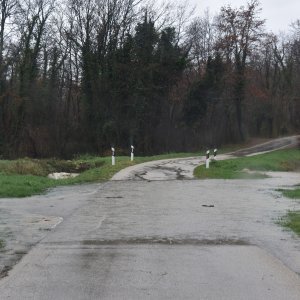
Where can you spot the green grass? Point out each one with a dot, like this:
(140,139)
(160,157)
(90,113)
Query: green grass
(292,221)
(282,160)
(23,185)
(2,244)
(26,177)
(293,194)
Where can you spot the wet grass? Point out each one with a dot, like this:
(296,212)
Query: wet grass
(292,219)
(27,177)
(282,160)
(23,185)
(293,194)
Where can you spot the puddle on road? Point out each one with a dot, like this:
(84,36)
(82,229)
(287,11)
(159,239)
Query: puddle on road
(166,241)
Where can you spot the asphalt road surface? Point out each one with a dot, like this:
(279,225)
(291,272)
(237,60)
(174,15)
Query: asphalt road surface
(152,239)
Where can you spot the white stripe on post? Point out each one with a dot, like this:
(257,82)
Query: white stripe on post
(207,159)
(113,159)
(132,154)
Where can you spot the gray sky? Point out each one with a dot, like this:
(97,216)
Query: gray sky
(278,13)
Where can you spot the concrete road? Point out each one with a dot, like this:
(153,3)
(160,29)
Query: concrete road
(159,240)
(140,239)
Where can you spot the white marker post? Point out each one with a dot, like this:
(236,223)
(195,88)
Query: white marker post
(113,158)
(207,159)
(132,153)
(215,153)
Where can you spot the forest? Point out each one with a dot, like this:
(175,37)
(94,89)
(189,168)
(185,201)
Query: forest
(81,76)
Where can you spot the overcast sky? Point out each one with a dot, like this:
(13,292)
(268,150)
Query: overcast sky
(278,13)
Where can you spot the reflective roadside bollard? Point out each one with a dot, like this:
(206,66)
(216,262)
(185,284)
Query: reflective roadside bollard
(132,152)
(113,158)
(207,159)
(215,153)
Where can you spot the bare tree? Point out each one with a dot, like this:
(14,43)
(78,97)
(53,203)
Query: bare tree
(8,9)
(239,31)
(201,35)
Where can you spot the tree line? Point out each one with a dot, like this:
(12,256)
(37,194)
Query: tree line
(81,76)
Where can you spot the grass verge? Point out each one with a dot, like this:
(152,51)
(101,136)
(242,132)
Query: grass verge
(27,177)
(238,168)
